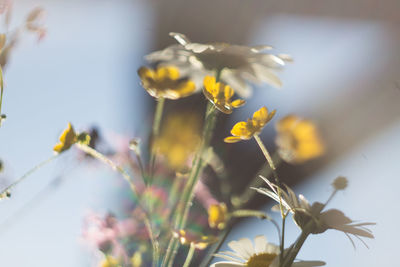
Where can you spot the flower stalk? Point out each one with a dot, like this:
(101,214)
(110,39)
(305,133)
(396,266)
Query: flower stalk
(7,190)
(189,256)
(156,131)
(273,168)
(183,208)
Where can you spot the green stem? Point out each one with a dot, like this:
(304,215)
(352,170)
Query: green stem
(183,208)
(282,240)
(156,131)
(94,153)
(273,168)
(189,256)
(251,213)
(6,191)
(296,248)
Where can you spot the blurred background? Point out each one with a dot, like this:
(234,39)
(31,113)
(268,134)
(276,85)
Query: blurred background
(345,77)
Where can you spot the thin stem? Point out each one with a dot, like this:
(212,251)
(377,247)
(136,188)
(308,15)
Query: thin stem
(183,208)
(273,168)
(282,240)
(189,256)
(330,198)
(210,254)
(296,248)
(156,131)
(94,153)
(27,174)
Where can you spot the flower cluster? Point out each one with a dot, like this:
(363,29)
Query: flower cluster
(172,207)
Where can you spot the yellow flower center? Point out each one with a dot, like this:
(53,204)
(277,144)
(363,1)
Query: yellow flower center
(261,260)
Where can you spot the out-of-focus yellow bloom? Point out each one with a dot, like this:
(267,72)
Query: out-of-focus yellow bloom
(246,130)
(220,95)
(179,139)
(298,140)
(217,215)
(67,139)
(136,260)
(198,241)
(165,82)
(110,261)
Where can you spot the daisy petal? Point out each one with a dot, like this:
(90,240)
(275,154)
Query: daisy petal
(226,264)
(260,243)
(238,248)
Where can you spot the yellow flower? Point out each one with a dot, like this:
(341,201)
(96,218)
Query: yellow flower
(217,215)
(136,260)
(165,82)
(179,139)
(198,241)
(220,95)
(110,261)
(246,130)
(67,139)
(298,139)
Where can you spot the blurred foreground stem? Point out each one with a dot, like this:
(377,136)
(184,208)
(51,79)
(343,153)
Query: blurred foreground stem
(156,131)
(189,256)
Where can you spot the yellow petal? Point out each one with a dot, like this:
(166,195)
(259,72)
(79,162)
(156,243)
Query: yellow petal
(238,103)
(67,139)
(145,74)
(209,84)
(164,73)
(186,88)
(240,129)
(261,115)
(232,139)
(228,91)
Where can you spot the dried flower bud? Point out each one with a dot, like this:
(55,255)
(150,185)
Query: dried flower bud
(340,183)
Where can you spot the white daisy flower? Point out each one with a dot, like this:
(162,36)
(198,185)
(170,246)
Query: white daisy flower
(303,212)
(262,254)
(240,64)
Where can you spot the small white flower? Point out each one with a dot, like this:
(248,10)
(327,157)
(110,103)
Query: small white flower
(303,212)
(261,254)
(240,64)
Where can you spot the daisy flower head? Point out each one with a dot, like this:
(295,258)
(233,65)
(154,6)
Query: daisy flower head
(261,254)
(165,82)
(304,213)
(220,95)
(298,140)
(240,64)
(245,130)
